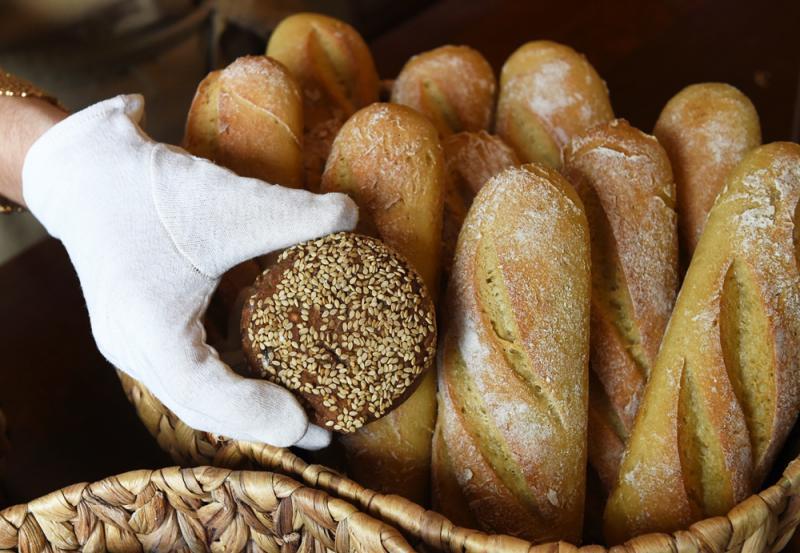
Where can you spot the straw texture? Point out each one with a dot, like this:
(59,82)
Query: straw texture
(762,523)
(199,509)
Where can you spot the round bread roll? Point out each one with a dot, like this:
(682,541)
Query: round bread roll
(453,86)
(344,322)
(548,93)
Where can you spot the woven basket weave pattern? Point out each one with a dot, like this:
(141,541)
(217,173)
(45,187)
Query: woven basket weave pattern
(763,522)
(194,510)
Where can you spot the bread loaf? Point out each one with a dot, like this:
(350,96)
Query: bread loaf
(249,118)
(472,158)
(336,73)
(511,433)
(548,93)
(388,158)
(453,86)
(706,129)
(725,388)
(624,179)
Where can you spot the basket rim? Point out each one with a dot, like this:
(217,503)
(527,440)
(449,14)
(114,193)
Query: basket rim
(47,520)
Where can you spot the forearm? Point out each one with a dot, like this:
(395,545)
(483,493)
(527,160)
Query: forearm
(22,122)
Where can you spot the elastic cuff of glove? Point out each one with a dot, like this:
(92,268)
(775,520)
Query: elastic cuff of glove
(37,188)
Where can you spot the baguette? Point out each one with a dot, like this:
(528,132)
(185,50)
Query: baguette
(248,118)
(453,86)
(337,76)
(624,179)
(548,93)
(725,388)
(472,158)
(511,434)
(388,158)
(706,130)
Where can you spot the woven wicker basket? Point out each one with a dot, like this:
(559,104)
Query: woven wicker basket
(763,522)
(197,509)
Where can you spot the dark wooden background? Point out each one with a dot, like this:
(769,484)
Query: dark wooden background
(68,418)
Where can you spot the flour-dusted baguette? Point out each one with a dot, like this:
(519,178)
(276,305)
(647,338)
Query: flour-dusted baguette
(249,118)
(548,93)
(472,158)
(388,158)
(511,434)
(453,86)
(336,73)
(623,177)
(706,130)
(725,388)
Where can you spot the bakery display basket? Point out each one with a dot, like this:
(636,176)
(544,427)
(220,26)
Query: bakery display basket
(270,511)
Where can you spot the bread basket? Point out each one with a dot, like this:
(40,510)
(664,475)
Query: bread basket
(763,522)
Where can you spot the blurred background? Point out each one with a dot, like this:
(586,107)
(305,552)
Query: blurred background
(68,419)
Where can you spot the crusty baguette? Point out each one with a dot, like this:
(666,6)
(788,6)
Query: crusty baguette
(548,93)
(388,158)
(706,130)
(623,177)
(472,158)
(336,73)
(453,86)
(249,118)
(725,388)
(511,433)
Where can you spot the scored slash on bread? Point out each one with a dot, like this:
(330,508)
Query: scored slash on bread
(453,86)
(511,433)
(548,93)
(623,177)
(336,73)
(725,388)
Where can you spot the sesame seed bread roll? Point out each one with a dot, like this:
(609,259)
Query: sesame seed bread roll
(472,158)
(624,179)
(249,118)
(548,93)
(511,433)
(453,86)
(388,158)
(706,129)
(725,388)
(336,73)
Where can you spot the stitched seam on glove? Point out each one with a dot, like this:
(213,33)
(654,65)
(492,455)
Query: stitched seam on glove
(160,215)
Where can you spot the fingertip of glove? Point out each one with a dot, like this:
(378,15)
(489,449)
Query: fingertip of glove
(315,438)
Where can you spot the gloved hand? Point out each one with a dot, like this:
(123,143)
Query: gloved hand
(150,230)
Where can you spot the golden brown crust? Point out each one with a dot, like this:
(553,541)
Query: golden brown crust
(200,137)
(513,364)
(388,158)
(725,388)
(624,179)
(548,93)
(336,74)
(453,86)
(706,130)
(472,158)
(352,350)
(260,121)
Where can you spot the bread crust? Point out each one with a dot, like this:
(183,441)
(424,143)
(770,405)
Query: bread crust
(453,86)
(336,74)
(725,388)
(513,364)
(548,93)
(388,158)
(706,130)
(472,158)
(624,179)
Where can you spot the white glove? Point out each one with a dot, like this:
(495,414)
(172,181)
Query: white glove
(150,230)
